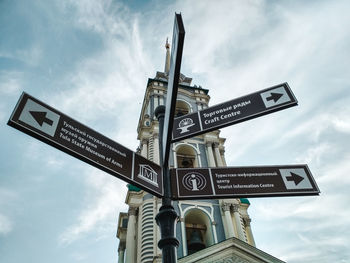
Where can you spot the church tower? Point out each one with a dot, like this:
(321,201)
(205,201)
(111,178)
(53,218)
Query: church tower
(208,230)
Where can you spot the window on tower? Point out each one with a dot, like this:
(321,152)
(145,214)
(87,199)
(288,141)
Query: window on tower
(198,230)
(186,157)
(181,108)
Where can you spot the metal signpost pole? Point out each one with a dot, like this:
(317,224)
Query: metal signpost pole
(167,215)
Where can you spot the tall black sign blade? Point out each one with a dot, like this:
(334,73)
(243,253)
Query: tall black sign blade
(173,83)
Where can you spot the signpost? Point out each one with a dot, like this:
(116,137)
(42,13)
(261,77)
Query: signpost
(238,182)
(234,111)
(62,132)
(45,123)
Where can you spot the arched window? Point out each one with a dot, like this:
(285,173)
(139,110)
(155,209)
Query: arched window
(181,108)
(199,234)
(186,157)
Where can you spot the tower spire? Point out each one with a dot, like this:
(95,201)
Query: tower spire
(167,57)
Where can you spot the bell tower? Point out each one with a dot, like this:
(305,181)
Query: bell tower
(202,225)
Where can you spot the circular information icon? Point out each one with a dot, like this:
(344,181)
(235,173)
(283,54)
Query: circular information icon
(194,181)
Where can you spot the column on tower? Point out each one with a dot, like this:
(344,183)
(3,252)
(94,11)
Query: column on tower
(174,156)
(211,159)
(130,235)
(217,155)
(155,102)
(144,148)
(161,100)
(121,252)
(156,148)
(237,217)
(249,232)
(198,157)
(228,219)
(222,153)
(146,233)
(150,149)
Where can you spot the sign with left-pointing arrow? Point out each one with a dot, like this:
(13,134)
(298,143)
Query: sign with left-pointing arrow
(39,117)
(57,129)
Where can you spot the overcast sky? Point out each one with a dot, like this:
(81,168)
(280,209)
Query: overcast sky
(91,60)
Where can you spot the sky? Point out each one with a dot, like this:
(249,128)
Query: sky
(91,60)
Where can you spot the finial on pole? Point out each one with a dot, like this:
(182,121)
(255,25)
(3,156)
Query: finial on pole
(167,57)
(167,45)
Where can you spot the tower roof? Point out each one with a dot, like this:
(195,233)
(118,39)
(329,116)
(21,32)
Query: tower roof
(245,201)
(133,188)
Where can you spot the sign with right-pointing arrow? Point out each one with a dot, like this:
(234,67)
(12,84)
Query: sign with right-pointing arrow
(234,111)
(244,181)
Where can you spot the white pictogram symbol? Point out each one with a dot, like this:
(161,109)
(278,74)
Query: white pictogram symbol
(194,181)
(295,178)
(275,97)
(39,117)
(148,174)
(185,124)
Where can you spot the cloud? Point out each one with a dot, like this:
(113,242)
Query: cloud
(246,46)
(6,225)
(32,56)
(333,175)
(10,82)
(6,201)
(303,231)
(79,257)
(105,199)
(10,85)
(108,84)
(308,229)
(309,52)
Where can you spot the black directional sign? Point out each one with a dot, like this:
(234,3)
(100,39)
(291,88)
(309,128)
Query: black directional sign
(236,182)
(174,75)
(234,111)
(53,127)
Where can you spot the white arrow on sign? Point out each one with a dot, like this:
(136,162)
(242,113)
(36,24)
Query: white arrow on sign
(295,179)
(39,117)
(275,97)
